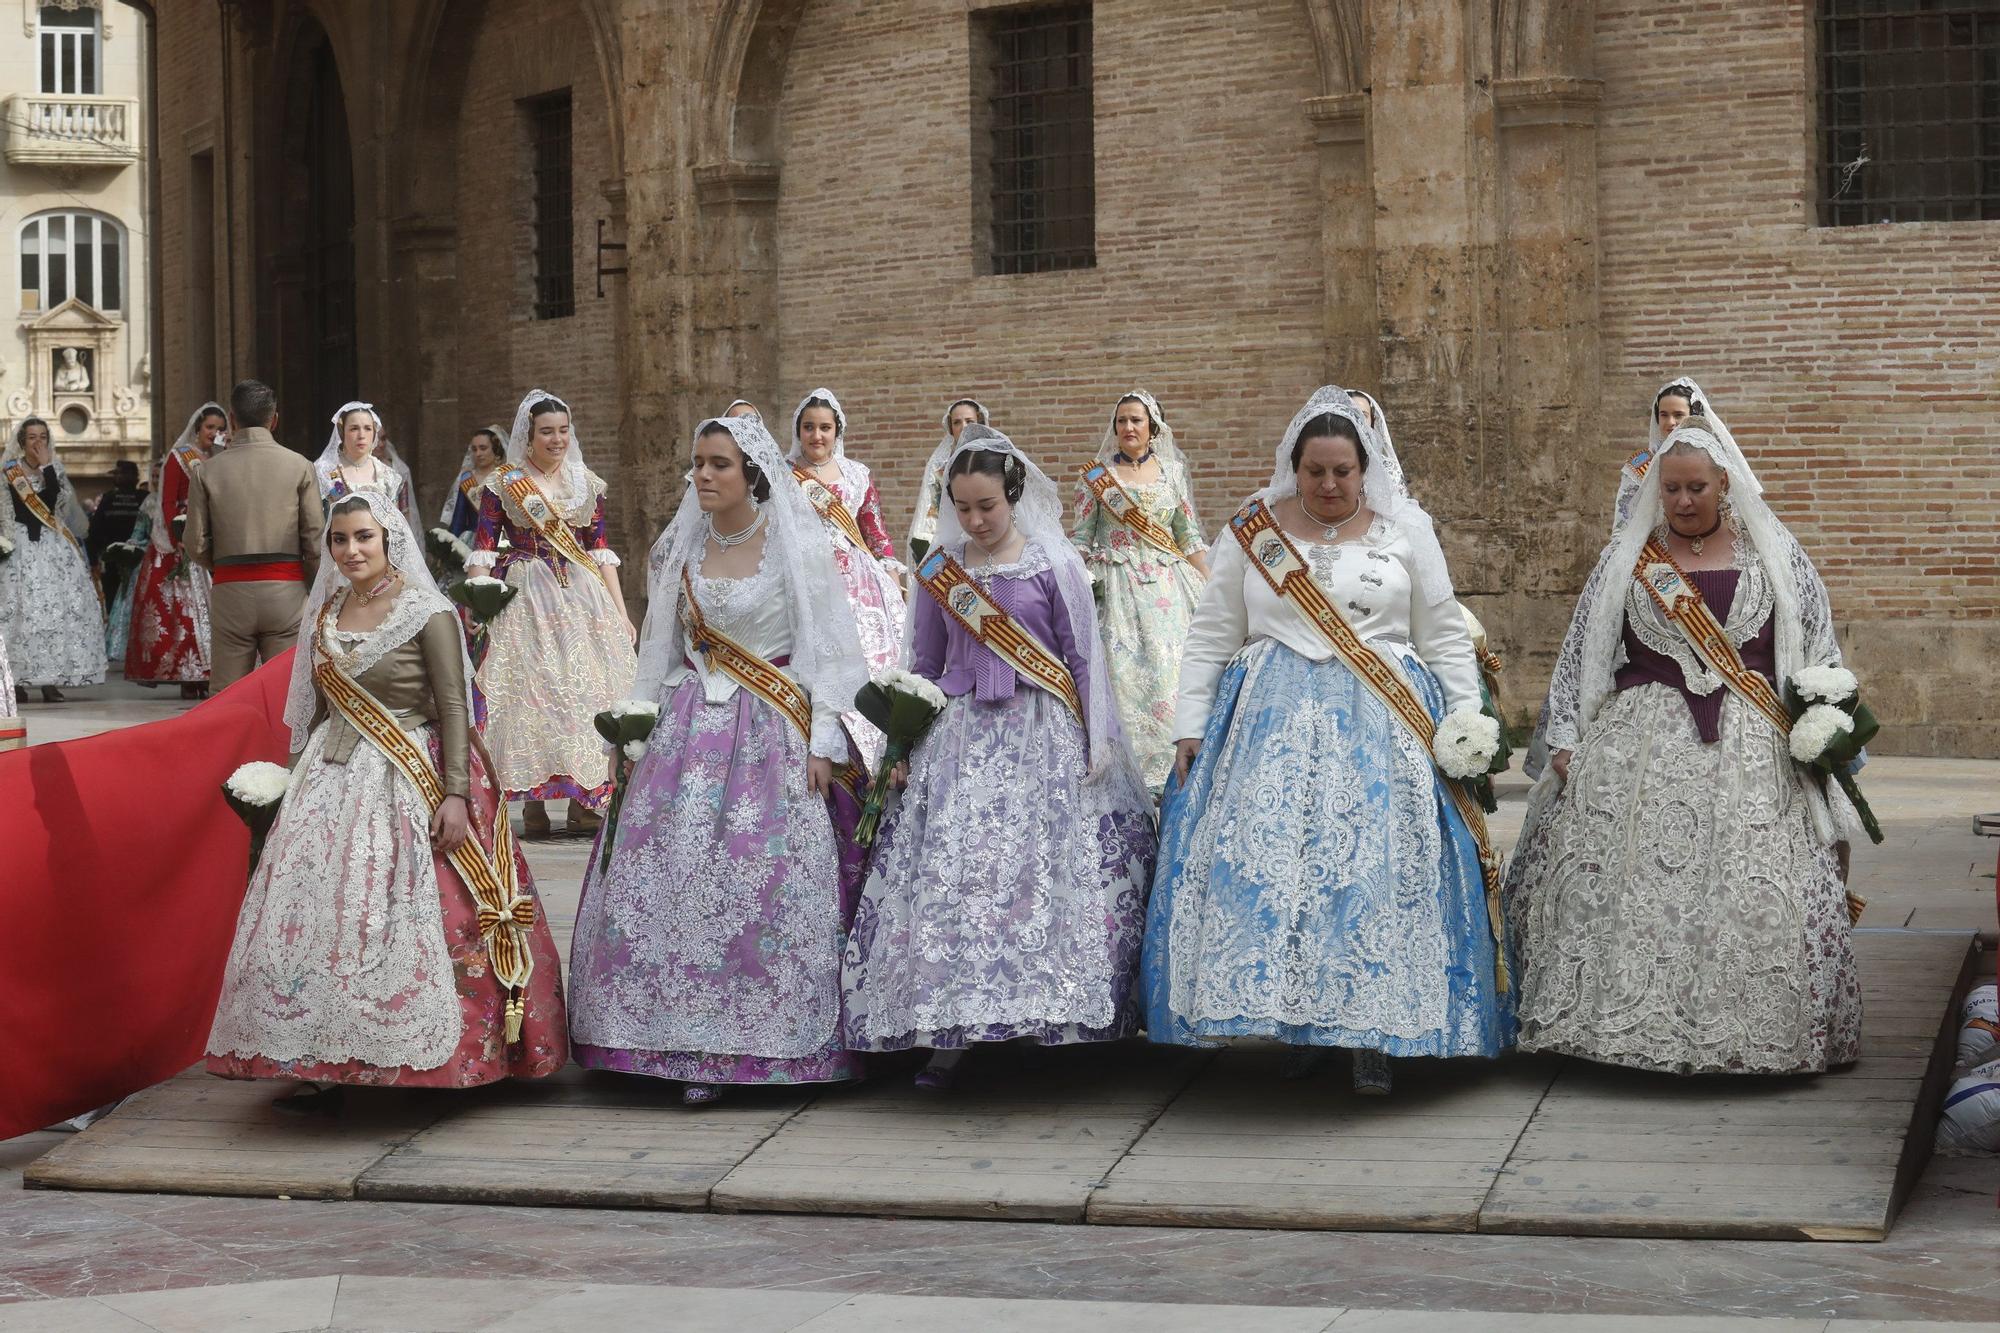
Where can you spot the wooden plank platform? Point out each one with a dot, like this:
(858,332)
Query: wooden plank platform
(1007,1141)
(196,1134)
(591,1139)
(1613,1152)
(1129,1134)
(1246,1148)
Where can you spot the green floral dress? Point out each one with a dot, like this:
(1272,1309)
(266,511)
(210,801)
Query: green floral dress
(1147,603)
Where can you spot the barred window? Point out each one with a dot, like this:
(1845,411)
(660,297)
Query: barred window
(1032,81)
(1909,111)
(548,119)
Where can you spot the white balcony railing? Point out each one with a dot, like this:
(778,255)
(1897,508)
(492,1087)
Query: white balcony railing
(70,131)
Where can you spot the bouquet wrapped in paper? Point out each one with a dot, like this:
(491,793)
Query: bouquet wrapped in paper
(626,726)
(1830,727)
(447,550)
(902,705)
(254,791)
(483,598)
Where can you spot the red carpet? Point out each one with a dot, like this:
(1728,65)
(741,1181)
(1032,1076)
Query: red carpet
(121,872)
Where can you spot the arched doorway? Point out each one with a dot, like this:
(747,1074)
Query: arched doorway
(312,273)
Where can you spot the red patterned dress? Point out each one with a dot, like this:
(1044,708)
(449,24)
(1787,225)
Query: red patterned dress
(169,638)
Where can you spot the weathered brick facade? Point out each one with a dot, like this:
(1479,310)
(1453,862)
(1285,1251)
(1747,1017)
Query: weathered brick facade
(1511,221)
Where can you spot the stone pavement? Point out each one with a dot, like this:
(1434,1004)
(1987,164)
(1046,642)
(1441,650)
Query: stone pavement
(327,1264)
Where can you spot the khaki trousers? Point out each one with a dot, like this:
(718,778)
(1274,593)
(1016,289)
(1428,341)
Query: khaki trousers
(249,623)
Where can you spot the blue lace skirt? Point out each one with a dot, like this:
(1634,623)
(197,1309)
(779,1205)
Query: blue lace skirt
(1315,883)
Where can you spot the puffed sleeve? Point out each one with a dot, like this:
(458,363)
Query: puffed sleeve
(1088,532)
(486,536)
(927,637)
(1444,642)
(873,531)
(1220,628)
(443,648)
(594,539)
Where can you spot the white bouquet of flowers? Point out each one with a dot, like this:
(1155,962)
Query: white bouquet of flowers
(1830,727)
(902,705)
(6,548)
(626,726)
(254,791)
(1465,743)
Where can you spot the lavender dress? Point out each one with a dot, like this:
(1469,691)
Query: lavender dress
(710,952)
(1008,893)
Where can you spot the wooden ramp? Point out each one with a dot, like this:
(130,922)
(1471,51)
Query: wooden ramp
(1130,1134)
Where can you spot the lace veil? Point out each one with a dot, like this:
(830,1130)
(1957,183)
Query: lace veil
(935,465)
(465,466)
(162,538)
(826,647)
(794,449)
(735,403)
(1039,516)
(68,508)
(579,497)
(416,602)
(1384,487)
(328,461)
(1701,403)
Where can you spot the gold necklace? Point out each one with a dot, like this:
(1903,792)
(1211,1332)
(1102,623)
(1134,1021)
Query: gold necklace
(1694,543)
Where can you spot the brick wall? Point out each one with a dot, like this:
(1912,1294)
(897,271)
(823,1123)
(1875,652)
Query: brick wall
(525,48)
(1859,367)
(1207,289)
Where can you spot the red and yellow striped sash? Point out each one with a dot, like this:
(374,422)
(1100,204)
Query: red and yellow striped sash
(1682,605)
(506,915)
(757,675)
(1273,556)
(1101,482)
(23,483)
(13,733)
(985,620)
(521,489)
(832,509)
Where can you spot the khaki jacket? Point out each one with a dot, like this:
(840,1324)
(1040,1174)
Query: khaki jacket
(254,501)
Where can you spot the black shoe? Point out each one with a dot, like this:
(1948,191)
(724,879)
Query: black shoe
(311,1100)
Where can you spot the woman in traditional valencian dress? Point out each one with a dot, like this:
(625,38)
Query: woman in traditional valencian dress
(169,638)
(709,952)
(1677,896)
(352,462)
(963,412)
(360,955)
(484,456)
(48,606)
(1136,527)
(1006,896)
(1320,877)
(842,490)
(561,652)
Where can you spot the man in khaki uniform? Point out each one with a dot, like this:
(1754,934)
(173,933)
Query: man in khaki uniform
(254,520)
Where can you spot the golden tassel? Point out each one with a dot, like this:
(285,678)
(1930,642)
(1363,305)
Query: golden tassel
(1856,904)
(516,1010)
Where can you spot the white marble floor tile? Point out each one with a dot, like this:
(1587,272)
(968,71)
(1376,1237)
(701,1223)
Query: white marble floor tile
(928,1314)
(282,1306)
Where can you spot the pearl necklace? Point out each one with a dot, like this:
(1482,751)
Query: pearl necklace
(1329,533)
(727,540)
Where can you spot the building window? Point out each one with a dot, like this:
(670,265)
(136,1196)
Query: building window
(72,254)
(1032,99)
(1909,111)
(69,51)
(549,162)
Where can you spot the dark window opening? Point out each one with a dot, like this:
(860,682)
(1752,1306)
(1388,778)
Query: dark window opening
(554,238)
(1909,111)
(1040,168)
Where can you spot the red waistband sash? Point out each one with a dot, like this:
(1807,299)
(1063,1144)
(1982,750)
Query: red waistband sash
(269,571)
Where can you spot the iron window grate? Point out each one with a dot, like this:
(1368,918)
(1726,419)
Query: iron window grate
(1909,111)
(1042,151)
(554,226)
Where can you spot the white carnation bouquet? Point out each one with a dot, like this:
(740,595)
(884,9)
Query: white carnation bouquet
(902,705)
(1830,727)
(1469,748)
(626,726)
(254,791)
(447,549)
(6,548)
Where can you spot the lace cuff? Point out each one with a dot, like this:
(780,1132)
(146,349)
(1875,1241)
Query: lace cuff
(606,558)
(829,737)
(481,560)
